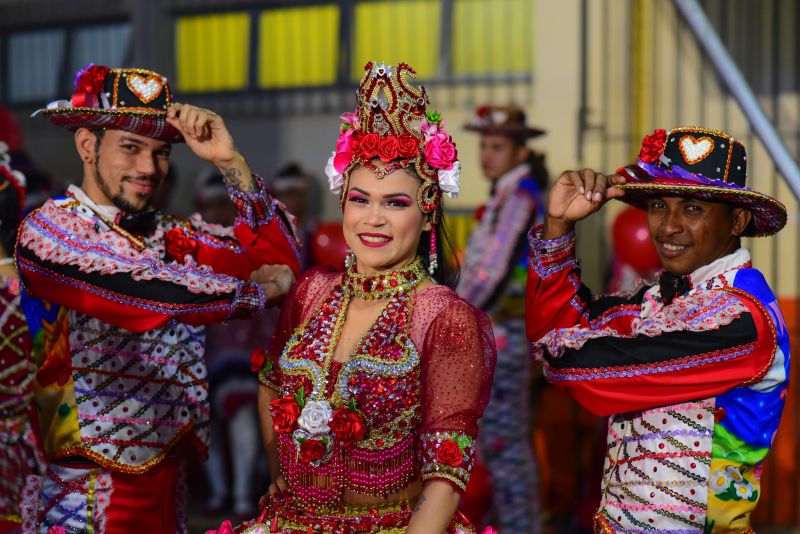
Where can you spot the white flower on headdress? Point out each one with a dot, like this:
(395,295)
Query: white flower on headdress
(335,178)
(450,180)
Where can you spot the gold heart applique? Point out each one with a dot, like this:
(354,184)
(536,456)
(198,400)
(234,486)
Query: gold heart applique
(147,89)
(695,150)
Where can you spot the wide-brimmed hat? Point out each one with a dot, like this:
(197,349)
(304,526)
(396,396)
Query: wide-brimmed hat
(504,120)
(133,100)
(699,163)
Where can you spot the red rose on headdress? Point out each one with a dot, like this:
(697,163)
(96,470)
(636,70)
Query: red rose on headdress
(449,453)
(387,149)
(285,412)
(407,146)
(91,79)
(440,153)
(178,244)
(347,426)
(369,145)
(483,111)
(653,146)
(257,359)
(311,450)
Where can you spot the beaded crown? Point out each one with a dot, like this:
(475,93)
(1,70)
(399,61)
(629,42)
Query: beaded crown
(392,124)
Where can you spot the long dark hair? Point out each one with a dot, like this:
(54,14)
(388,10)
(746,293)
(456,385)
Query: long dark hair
(448,269)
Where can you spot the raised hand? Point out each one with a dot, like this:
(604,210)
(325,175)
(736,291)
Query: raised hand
(206,135)
(204,132)
(575,196)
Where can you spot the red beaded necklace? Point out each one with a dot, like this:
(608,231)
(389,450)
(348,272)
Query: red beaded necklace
(384,284)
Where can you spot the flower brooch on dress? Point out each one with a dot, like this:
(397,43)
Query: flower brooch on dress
(315,426)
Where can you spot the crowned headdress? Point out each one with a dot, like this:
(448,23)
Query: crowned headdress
(391,123)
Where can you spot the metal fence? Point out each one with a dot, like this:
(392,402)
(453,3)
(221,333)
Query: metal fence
(467,51)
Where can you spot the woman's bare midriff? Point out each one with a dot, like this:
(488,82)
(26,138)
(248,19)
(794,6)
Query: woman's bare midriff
(412,491)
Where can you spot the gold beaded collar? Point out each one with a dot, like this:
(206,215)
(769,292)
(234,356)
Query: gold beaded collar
(384,284)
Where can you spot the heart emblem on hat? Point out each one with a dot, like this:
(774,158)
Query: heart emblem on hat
(695,150)
(147,88)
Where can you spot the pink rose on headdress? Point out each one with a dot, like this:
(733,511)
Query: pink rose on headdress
(440,153)
(428,129)
(387,149)
(345,141)
(346,148)
(369,145)
(351,119)
(341,161)
(225,528)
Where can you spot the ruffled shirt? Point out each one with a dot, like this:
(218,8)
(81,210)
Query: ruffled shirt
(117,320)
(694,388)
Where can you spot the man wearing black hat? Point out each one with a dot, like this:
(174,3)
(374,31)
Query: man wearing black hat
(116,294)
(493,279)
(693,369)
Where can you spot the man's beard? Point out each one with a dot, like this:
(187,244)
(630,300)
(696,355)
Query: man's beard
(117,199)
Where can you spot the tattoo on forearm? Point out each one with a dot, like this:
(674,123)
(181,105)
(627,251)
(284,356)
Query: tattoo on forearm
(233,177)
(419,503)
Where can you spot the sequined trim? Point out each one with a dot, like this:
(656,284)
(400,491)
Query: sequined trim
(447,455)
(548,257)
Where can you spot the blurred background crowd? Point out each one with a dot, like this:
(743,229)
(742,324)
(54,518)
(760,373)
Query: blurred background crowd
(591,77)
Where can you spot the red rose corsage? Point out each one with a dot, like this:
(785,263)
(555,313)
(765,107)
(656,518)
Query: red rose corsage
(178,245)
(653,146)
(449,453)
(347,426)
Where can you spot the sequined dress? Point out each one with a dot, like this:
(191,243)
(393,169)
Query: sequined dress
(419,378)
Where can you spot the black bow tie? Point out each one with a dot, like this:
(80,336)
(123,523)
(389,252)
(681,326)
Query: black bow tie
(144,222)
(673,286)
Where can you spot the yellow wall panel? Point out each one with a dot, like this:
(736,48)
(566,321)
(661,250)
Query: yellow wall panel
(492,37)
(391,32)
(298,46)
(212,52)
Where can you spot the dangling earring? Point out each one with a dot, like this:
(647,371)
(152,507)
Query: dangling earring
(349,258)
(433,258)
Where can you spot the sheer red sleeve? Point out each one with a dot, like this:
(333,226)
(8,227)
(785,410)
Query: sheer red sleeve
(300,300)
(457,359)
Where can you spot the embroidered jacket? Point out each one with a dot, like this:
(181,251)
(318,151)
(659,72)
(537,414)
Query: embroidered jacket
(116,320)
(694,388)
(419,377)
(495,264)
